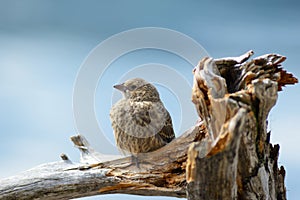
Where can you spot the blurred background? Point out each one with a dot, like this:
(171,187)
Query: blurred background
(43,44)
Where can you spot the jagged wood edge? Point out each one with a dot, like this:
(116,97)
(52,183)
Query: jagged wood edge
(230,170)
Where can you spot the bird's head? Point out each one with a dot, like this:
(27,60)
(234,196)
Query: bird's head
(138,89)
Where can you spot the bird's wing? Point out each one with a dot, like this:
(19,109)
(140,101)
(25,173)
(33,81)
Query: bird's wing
(167,132)
(155,118)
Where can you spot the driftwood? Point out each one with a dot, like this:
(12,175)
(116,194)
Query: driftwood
(226,155)
(240,163)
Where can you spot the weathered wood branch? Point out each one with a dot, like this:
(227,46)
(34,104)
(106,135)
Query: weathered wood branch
(227,155)
(160,173)
(241,163)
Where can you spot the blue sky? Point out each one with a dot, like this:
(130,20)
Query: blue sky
(44,43)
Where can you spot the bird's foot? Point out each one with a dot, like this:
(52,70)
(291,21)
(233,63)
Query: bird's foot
(135,160)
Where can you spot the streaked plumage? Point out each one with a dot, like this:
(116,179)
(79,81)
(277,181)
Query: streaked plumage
(140,121)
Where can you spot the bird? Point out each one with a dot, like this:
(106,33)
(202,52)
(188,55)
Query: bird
(140,121)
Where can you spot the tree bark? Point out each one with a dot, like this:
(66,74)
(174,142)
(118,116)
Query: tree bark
(226,155)
(234,98)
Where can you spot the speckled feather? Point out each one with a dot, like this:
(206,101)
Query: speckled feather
(140,121)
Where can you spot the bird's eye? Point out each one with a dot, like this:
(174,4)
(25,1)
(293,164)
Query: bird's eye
(133,87)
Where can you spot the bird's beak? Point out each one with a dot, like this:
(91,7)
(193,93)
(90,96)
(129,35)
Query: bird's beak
(120,87)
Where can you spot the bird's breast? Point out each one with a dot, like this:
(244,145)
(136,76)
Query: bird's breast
(139,119)
(138,125)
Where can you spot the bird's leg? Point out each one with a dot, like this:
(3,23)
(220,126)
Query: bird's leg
(134,160)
